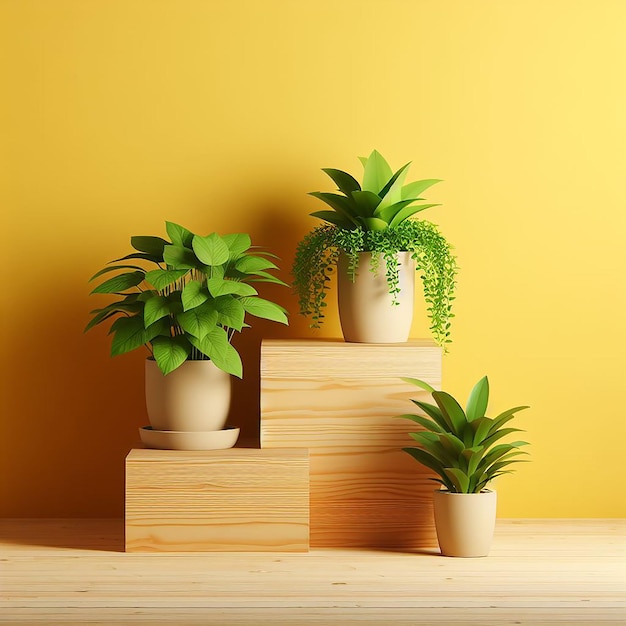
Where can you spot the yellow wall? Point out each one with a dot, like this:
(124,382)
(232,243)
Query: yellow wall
(119,114)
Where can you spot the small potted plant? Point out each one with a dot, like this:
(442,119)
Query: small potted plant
(185,309)
(461,447)
(376,246)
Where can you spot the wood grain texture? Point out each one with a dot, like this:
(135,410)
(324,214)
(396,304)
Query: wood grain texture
(237,499)
(544,572)
(341,401)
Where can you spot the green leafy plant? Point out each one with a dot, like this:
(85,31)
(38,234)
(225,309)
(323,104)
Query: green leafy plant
(460,445)
(373,216)
(192,300)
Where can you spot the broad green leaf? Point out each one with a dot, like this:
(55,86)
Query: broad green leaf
(332,217)
(211,250)
(265,309)
(170,352)
(179,235)
(160,279)
(237,243)
(472,456)
(363,161)
(391,193)
(120,282)
(377,172)
(426,459)
(419,383)
(365,203)
(344,181)
(150,245)
(341,204)
(199,321)
(434,412)
(249,264)
(478,400)
(180,258)
(407,212)
(452,411)
(113,268)
(459,478)
(221,287)
(217,347)
(427,423)
(155,308)
(451,444)
(227,358)
(413,190)
(374,223)
(481,428)
(194,294)
(427,438)
(389,212)
(231,312)
(129,333)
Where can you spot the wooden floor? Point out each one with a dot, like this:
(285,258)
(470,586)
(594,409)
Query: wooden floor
(539,572)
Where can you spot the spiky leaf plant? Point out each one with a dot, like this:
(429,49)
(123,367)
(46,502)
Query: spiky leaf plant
(190,304)
(373,216)
(460,445)
(382,201)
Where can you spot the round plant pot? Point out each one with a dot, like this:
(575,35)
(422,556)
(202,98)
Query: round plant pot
(465,522)
(366,308)
(195,397)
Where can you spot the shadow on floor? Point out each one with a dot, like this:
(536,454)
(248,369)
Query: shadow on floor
(106,535)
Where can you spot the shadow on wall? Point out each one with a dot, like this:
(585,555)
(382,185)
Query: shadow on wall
(72,413)
(276,232)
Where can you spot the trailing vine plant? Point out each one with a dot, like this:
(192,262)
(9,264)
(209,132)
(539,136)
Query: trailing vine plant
(375,217)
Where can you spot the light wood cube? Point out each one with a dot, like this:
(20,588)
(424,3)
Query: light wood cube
(340,400)
(221,500)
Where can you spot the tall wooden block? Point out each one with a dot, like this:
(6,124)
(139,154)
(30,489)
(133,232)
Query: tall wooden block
(239,499)
(340,400)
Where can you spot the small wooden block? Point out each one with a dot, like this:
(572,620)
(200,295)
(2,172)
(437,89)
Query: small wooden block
(340,400)
(220,500)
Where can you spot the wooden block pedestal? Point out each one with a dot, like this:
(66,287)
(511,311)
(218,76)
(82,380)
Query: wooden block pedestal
(340,400)
(240,499)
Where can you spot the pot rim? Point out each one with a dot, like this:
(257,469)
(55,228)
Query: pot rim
(483,492)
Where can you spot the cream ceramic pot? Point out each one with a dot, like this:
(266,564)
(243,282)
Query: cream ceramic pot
(194,397)
(366,311)
(465,522)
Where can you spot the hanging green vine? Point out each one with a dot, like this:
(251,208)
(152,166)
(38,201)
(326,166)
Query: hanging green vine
(317,254)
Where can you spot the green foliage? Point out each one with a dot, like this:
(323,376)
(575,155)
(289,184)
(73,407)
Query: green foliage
(317,254)
(382,201)
(460,445)
(191,304)
(373,216)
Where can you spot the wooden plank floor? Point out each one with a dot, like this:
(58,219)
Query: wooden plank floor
(540,572)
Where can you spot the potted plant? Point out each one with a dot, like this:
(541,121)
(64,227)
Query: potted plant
(461,447)
(370,236)
(185,308)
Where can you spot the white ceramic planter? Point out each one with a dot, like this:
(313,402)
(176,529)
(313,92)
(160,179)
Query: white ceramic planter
(465,522)
(195,397)
(366,311)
